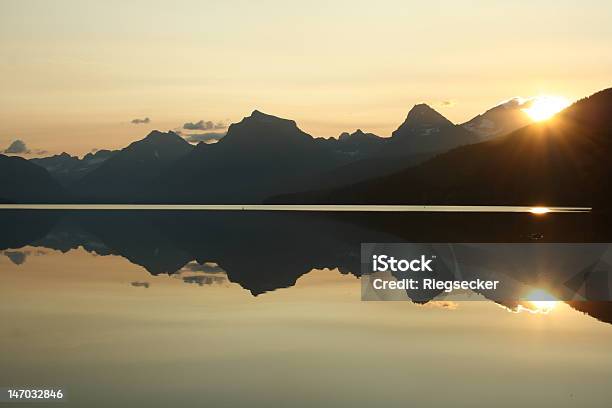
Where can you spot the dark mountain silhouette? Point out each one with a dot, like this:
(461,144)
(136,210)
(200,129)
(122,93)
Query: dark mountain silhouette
(360,170)
(356,145)
(25,182)
(423,134)
(421,120)
(128,175)
(500,120)
(264,156)
(563,161)
(67,169)
(260,155)
(427,131)
(364,157)
(264,133)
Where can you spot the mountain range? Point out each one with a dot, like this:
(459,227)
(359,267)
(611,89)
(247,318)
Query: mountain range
(497,157)
(67,169)
(130,173)
(563,161)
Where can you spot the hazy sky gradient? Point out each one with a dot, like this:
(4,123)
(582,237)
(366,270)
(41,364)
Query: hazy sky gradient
(74,74)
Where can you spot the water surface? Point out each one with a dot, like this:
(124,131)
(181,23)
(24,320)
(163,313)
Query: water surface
(226,308)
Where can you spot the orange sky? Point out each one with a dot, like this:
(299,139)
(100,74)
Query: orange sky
(74,75)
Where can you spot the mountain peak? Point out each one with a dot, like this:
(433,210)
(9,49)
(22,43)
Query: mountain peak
(499,120)
(356,136)
(159,144)
(422,120)
(257,113)
(261,128)
(260,117)
(99,154)
(424,115)
(157,136)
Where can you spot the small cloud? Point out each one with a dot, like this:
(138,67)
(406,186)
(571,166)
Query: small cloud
(206,267)
(140,121)
(442,304)
(17,147)
(446,103)
(211,137)
(205,125)
(202,280)
(139,284)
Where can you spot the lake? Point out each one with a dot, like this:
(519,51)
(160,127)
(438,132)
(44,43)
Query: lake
(157,307)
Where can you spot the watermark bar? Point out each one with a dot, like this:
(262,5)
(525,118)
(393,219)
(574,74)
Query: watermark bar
(504,272)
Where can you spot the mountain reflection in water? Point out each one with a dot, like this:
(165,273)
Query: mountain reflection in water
(265,251)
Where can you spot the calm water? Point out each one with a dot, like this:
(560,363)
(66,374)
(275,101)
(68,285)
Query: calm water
(226,308)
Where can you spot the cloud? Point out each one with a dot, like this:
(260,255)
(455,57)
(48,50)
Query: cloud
(211,137)
(206,267)
(202,280)
(140,121)
(445,104)
(443,304)
(204,125)
(17,147)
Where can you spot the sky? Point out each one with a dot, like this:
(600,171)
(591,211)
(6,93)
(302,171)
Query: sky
(75,74)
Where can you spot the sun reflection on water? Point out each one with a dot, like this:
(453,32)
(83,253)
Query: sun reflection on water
(539,301)
(539,210)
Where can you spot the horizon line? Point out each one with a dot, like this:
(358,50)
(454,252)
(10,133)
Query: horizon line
(302,208)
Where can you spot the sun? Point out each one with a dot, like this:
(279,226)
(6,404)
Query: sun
(544,107)
(542,301)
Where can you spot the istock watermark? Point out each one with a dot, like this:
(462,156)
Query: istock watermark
(505,272)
